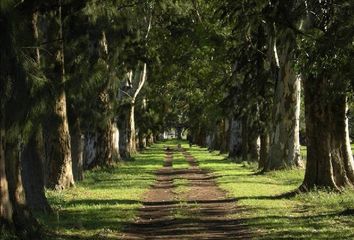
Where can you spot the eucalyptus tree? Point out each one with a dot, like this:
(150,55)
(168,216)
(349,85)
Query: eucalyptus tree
(326,48)
(142,21)
(249,86)
(260,26)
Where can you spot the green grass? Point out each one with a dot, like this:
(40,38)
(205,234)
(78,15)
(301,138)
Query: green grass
(100,206)
(181,186)
(314,215)
(179,161)
(105,201)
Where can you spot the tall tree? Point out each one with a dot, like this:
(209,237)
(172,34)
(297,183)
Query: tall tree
(59,163)
(327,51)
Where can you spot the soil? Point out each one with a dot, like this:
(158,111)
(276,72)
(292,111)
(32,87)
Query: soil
(201,211)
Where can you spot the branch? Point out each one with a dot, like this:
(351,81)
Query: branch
(141,83)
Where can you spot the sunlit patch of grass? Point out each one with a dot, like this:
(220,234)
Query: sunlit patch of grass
(181,186)
(179,161)
(314,215)
(105,201)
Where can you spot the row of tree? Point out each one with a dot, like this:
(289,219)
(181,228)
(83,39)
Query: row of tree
(87,83)
(271,48)
(236,80)
(72,77)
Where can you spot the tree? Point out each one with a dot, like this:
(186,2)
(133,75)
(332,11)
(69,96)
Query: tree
(326,50)
(59,163)
(15,82)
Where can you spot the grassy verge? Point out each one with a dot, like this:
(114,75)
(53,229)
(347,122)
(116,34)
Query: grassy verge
(314,215)
(98,207)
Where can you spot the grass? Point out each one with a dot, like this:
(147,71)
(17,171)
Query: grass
(101,205)
(181,186)
(314,215)
(105,201)
(179,161)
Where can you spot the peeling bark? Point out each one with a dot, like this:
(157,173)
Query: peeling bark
(284,142)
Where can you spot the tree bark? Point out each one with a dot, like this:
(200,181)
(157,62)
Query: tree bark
(284,143)
(235,145)
(150,139)
(253,148)
(104,147)
(142,140)
(329,157)
(6,209)
(25,224)
(224,133)
(123,136)
(245,139)
(77,151)
(131,129)
(13,212)
(32,160)
(59,162)
(116,155)
(264,151)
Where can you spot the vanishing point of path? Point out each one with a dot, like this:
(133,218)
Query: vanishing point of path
(200,210)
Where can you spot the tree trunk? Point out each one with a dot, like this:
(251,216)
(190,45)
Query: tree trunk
(59,148)
(235,145)
(131,130)
(329,156)
(116,155)
(104,147)
(150,139)
(245,138)
(32,160)
(26,225)
(264,151)
(123,136)
(6,210)
(59,163)
(142,140)
(224,133)
(90,142)
(77,151)
(284,143)
(253,148)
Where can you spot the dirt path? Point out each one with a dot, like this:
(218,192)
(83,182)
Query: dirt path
(198,210)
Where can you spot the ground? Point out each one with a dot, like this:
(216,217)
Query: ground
(194,194)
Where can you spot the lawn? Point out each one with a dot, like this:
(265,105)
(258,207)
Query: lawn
(105,201)
(101,205)
(314,215)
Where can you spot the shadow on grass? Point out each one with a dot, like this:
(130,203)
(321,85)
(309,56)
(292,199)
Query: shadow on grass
(276,226)
(89,202)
